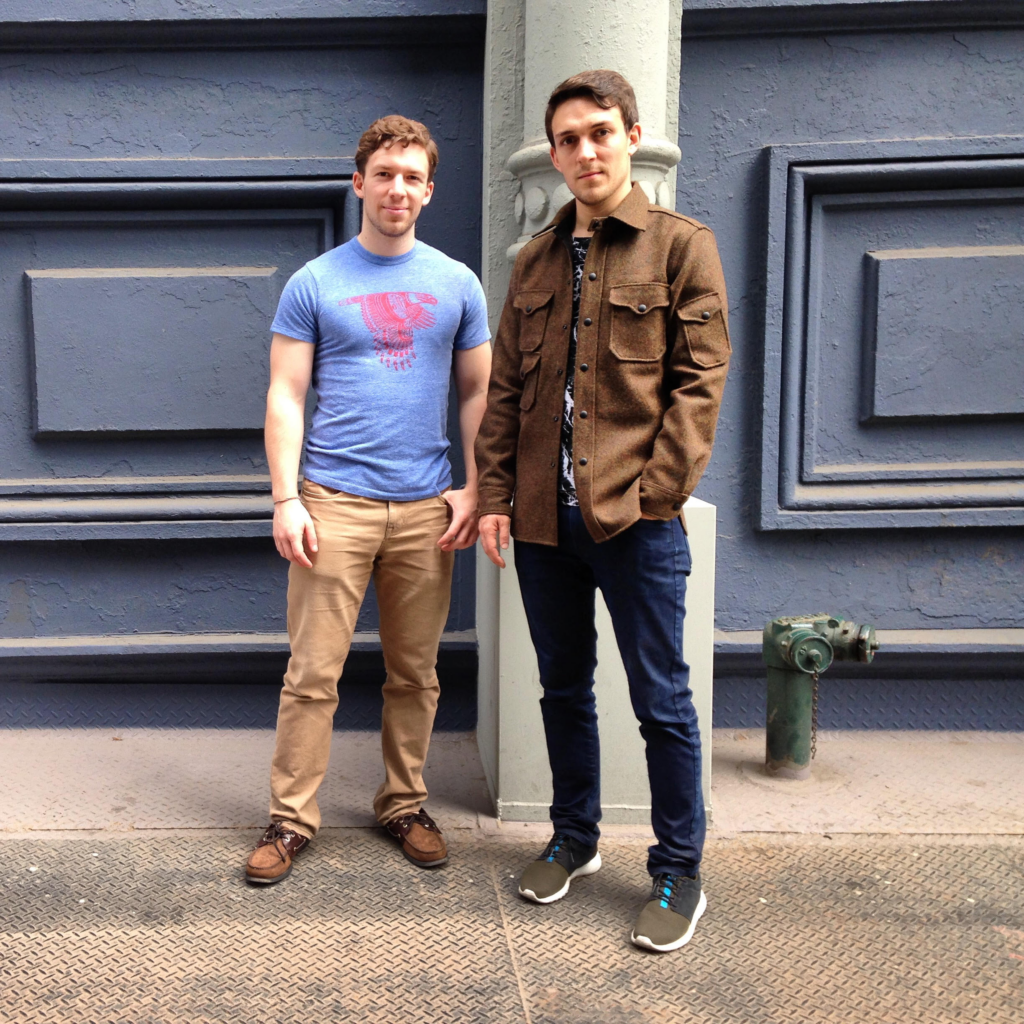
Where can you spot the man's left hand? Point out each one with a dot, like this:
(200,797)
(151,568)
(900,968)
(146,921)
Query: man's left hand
(462,531)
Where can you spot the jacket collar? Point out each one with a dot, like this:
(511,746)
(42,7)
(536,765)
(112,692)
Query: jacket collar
(632,211)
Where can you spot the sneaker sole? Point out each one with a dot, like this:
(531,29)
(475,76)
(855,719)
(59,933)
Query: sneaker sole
(592,865)
(645,943)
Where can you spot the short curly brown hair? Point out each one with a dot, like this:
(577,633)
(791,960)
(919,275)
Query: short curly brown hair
(386,131)
(606,88)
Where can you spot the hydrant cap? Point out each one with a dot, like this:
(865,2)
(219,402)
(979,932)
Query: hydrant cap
(867,643)
(811,654)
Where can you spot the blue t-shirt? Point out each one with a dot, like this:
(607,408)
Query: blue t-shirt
(384,328)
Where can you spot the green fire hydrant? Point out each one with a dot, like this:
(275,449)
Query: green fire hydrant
(797,649)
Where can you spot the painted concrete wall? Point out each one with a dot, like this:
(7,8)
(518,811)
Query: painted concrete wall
(219,135)
(754,82)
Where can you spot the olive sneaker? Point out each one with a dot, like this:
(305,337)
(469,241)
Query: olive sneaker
(547,878)
(670,914)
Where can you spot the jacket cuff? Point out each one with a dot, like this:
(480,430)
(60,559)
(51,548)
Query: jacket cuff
(488,506)
(658,502)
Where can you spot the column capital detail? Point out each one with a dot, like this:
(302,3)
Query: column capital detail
(543,191)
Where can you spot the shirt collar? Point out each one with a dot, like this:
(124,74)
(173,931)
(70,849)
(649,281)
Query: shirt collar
(631,211)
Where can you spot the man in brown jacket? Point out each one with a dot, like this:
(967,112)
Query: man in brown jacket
(608,371)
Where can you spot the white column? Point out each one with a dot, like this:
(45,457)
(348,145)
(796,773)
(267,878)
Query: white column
(532,45)
(639,39)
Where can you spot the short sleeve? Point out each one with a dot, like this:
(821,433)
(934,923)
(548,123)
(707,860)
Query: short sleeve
(296,311)
(473,329)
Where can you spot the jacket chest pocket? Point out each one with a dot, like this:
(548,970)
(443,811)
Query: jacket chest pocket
(638,321)
(707,338)
(534,308)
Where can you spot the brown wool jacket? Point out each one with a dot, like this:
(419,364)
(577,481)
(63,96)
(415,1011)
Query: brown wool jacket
(652,355)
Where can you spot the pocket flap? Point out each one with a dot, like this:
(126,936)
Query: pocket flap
(707,337)
(532,300)
(700,310)
(641,298)
(529,361)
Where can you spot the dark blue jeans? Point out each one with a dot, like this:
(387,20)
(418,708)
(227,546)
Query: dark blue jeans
(642,575)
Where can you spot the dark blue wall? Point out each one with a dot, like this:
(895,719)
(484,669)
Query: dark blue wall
(862,165)
(189,144)
(757,79)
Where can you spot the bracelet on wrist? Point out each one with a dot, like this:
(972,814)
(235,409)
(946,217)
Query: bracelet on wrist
(281,501)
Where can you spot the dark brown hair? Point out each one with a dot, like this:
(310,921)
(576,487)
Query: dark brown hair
(606,88)
(386,131)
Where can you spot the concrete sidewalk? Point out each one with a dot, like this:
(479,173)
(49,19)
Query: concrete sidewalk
(846,898)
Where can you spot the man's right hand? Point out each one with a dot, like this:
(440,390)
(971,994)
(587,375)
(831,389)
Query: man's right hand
(494,534)
(292,526)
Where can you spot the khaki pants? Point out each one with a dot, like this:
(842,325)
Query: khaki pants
(396,543)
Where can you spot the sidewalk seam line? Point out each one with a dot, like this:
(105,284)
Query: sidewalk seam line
(508,941)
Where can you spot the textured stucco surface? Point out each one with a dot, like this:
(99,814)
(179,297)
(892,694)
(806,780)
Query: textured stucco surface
(200,104)
(737,96)
(190,10)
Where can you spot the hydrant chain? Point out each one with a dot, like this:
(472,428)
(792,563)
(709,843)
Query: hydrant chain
(814,716)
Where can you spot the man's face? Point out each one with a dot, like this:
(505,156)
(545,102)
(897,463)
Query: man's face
(394,188)
(592,149)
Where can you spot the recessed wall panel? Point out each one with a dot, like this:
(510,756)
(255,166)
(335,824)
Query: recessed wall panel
(946,332)
(150,349)
(134,348)
(894,355)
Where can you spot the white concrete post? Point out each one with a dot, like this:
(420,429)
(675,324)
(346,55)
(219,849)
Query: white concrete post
(519,772)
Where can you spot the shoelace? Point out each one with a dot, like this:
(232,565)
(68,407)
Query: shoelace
(420,817)
(666,889)
(558,840)
(276,831)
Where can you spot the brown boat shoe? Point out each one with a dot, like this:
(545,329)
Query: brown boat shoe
(272,859)
(420,839)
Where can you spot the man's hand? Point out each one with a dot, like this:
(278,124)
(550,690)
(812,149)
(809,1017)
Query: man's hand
(462,531)
(292,526)
(494,533)
(647,515)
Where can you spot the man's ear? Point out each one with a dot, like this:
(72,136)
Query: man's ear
(554,160)
(634,138)
(357,184)
(428,193)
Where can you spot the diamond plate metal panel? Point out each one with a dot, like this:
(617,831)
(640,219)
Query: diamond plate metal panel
(852,703)
(192,705)
(812,931)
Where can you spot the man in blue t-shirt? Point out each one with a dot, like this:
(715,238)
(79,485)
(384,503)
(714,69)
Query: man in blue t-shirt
(376,326)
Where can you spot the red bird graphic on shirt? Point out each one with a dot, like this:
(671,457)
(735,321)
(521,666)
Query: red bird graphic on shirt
(392,317)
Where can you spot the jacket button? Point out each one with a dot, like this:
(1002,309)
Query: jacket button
(642,308)
(583,415)
(705,315)
(558,372)
(592,276)
(565,327)
(587,322)
(583,462)
(529,309)
(584,367)
(555,417)
(676,507)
